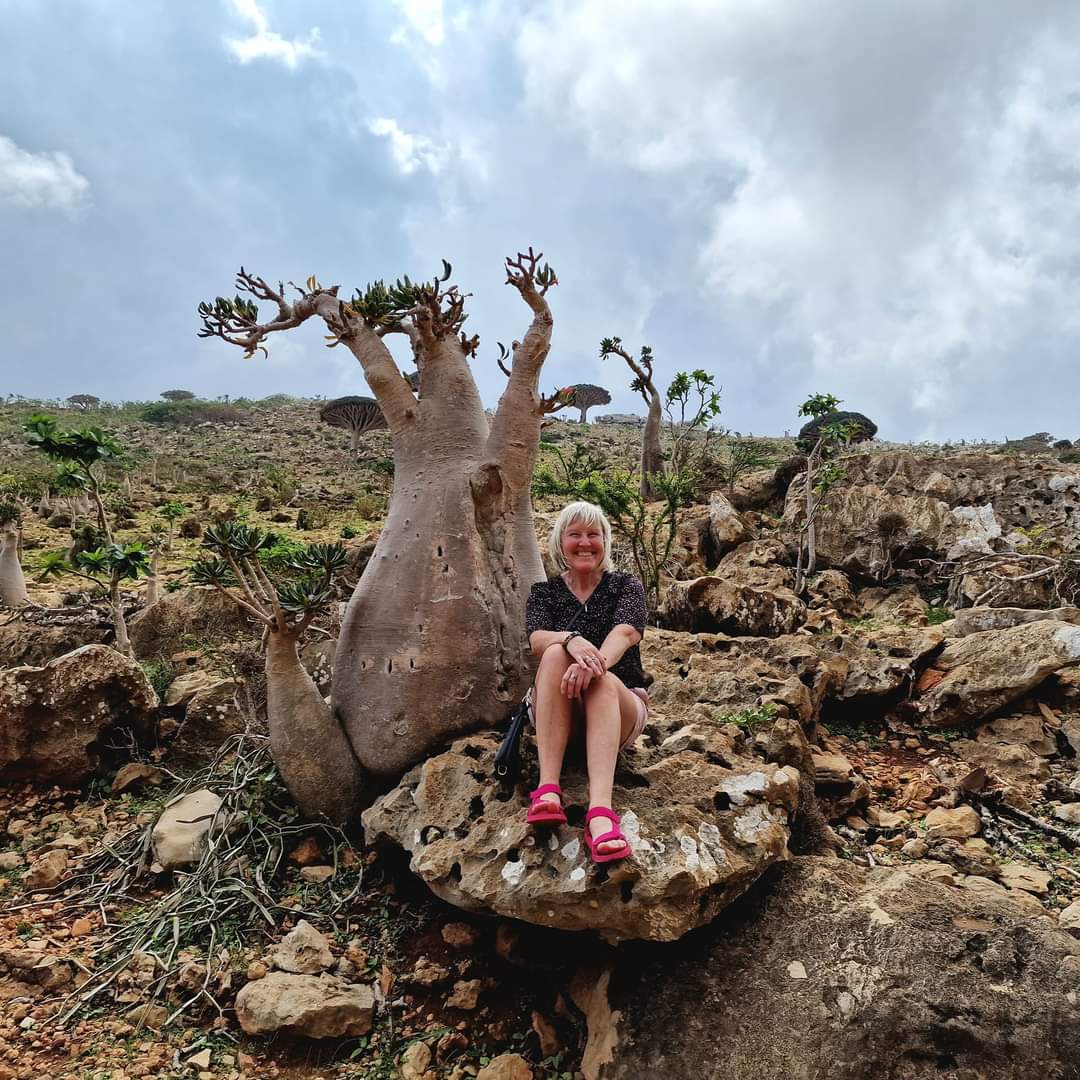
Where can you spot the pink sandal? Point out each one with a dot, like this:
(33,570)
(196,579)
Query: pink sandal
(604,838)
(539,816)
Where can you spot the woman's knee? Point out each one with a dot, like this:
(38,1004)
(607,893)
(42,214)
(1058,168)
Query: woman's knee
(553,663)
(602,689)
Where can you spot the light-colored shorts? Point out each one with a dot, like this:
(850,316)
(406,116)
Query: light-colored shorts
(639,724)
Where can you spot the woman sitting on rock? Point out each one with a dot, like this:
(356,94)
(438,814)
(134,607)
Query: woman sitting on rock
(585,625)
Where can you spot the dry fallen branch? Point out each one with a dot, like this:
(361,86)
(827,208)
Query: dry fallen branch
(236,883)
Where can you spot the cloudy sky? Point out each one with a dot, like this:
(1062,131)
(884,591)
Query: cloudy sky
(879,200)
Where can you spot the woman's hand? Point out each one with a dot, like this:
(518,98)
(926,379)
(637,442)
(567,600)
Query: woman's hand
(586,653)
(576,679)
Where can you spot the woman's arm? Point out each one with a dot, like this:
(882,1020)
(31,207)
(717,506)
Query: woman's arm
(621,638)
(541,640)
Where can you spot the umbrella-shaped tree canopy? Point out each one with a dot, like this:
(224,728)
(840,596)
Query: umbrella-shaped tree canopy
(355,414)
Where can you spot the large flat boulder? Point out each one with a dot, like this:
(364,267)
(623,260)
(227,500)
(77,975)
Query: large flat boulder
(704,815)
(978,675)
(55,719)
(832,970)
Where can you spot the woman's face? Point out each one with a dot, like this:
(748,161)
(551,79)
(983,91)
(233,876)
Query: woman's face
(583,546)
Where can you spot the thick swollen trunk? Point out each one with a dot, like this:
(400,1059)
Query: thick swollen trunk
(44,507)
(308,745)
(652,457)
(433,644)
(12,582)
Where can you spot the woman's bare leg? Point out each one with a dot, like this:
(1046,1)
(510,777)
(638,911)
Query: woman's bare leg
(611,711)
(553,717)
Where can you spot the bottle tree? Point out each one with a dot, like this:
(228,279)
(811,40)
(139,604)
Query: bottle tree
(433,641)
(308,745)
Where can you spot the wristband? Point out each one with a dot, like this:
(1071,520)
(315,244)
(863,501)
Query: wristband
(569,637)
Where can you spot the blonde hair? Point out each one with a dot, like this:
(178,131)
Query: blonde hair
(588,514)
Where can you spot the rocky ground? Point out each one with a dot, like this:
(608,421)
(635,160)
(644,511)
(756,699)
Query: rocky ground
(855,808)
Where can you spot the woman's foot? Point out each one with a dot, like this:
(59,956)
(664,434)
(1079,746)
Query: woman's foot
(602,821)
(546,805)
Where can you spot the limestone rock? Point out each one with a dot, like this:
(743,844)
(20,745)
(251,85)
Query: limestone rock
(832,769)
(944,505)
(47,871)
(56,717)
(832,588)
(184,687)
(213,713)
(179,836)
(318,1006)
(974,620)
(894,987)
(25,644)
(506,1067)
(1028,878)
(1006,586)
(1069,813)
(901,606)
(303,951)
(415,1061)
(958,823)
(203,612)
(749,594)
(1017,764)
(1069,918)
(978,675)
(702,826)
(727,529)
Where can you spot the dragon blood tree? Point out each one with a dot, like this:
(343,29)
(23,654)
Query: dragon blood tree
(433,642)
(584,396)
(355,414)
(307,743)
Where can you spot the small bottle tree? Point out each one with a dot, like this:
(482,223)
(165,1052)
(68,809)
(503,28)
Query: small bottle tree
(107,567)
(308,744)
(822,474)
(83,450)
(12,583)
(171,511)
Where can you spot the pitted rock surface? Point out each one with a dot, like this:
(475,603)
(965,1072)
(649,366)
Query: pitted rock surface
(703,815)
(979,674)
(830,970)
(951,505)
(56,717)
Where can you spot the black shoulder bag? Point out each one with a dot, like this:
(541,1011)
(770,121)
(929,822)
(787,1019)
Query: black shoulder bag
(508,756)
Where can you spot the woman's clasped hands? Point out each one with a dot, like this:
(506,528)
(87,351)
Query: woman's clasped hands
(589,664)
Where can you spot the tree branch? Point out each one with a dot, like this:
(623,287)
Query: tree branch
(515,431)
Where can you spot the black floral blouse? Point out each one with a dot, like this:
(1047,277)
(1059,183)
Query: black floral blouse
(619,598)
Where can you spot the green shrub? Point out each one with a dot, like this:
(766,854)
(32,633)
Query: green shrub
(752,719)
(937,615)
(159,672)
(188,413)
(370,505)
